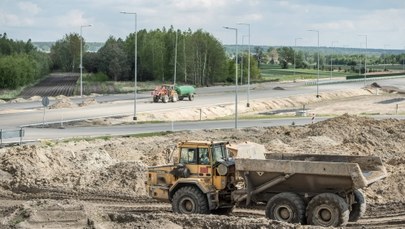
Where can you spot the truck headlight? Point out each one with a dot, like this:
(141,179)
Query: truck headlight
(222,169)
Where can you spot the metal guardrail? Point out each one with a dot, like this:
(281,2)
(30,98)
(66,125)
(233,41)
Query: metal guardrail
(7,134)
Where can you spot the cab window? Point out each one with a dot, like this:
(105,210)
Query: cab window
(204,158)
(219,152)
(188,156)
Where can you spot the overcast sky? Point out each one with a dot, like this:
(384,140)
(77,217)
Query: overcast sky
(273,22)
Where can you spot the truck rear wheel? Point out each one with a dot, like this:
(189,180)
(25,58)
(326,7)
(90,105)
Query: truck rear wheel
(191,97)
(190,200)
(358,208)
(327,209)
(286,207)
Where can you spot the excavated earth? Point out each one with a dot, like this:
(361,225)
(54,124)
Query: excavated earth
(99,183)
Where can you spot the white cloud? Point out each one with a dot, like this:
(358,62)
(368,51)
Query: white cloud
(73,18)
(29,7)
(13,20)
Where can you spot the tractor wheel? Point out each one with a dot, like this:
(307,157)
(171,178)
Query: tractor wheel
(286,207)
(358,208)
(327,210)
(181,98)
(155,99)
(190,200)
(174,98)
(165,99)
(191,97)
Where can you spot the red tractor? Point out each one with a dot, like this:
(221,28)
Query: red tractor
(165,93)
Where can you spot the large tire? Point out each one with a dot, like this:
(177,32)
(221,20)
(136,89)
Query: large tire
(190,200)
(327,210)
(358,208)
(191,97)
(165,99)
(155,99)
(181,98)
(286,207)
(174,98)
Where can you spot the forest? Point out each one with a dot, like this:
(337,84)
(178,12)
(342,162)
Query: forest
(21,63)
(168,55)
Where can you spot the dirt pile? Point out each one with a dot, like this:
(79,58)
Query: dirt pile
(68,167)
(118,164)
(87,102)
(62,102)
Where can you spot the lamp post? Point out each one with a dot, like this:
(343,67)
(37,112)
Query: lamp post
(317,79)
(295,47)
(365,60)
(331,61)
(241,60)
(385,60)
(403,62)
(236,74)
(81,59)
(136,61)
(248,90)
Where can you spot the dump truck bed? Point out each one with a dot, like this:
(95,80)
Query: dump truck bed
(312,173)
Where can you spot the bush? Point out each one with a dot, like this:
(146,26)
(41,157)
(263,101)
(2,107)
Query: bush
(97,77)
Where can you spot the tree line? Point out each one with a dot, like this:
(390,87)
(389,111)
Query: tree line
(286,57)
(20,63)
(163,55)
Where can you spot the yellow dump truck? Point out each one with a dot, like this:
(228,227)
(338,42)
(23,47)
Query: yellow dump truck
(322,190)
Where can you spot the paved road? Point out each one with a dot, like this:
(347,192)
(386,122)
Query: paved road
(15,115)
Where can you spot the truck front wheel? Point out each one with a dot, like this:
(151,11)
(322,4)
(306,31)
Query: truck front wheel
(327,210)
(190,200)
(286,207)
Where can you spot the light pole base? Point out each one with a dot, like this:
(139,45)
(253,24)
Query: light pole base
(134,118)
(318,96)
(247,104)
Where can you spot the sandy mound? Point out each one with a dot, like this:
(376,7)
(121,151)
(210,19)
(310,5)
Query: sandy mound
(118,164)
(87,102)
(62,102)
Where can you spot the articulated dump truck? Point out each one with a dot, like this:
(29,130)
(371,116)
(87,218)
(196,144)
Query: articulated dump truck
(324,190)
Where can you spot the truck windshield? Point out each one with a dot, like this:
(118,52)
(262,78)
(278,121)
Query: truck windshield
(219,152)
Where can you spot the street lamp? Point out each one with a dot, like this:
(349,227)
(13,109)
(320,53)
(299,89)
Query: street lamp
(403,62)
(236,75)
(248,90)
(81,59)
(385,58)
(295,47)
(241,60)
(331,63)
(365,60)
(136,61)
(317,79)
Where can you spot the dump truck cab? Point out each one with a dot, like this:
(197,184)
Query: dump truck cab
(200,180)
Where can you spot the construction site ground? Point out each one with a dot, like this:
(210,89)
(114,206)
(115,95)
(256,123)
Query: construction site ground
(99,183)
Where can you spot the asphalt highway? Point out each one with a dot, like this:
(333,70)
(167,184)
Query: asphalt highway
(15,115)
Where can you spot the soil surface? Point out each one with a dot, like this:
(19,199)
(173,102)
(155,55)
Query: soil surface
(99,183)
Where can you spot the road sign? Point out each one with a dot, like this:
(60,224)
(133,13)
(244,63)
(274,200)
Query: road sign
(45,101)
